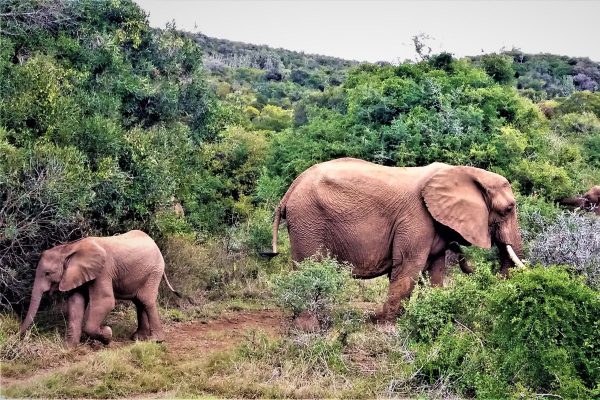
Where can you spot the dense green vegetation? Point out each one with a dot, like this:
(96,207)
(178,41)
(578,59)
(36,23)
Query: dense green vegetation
(107,124)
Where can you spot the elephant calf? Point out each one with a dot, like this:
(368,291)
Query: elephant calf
(96,271)
(398,221)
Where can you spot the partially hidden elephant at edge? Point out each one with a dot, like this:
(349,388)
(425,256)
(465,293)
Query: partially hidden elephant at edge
(96,271)
(398,221)
(589,201)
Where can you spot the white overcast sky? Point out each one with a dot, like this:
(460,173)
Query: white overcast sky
(382,30)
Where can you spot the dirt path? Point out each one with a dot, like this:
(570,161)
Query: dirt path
(183,339)
(203,337)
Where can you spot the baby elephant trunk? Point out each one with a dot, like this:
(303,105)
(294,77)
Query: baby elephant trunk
(34,304)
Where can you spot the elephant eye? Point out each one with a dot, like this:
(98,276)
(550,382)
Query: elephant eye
(508,209)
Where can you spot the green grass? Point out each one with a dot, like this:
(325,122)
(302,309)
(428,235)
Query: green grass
(436,350)
(298,366)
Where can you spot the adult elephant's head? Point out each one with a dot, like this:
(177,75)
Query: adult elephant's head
(590,200)
(480,206)
(65,268)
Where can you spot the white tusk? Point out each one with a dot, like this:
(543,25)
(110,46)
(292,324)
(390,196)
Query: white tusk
(513,256)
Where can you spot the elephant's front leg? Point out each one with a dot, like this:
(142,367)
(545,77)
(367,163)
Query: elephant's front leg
(402,281)
(462,259)
(437,270)
(101,302)
(76,311)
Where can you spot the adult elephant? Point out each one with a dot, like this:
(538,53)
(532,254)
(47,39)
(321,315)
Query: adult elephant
(398,221)
(589,201)
(96,271)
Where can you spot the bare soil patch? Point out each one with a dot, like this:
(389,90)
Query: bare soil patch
(202,337)
(183,340)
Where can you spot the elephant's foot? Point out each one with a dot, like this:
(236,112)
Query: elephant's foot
(141,335)
(384,317)
(147,335)
(71,344)
(137,335)
(104,335)
(158,337)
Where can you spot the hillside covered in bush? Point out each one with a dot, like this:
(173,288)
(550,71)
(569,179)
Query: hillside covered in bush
(108,124)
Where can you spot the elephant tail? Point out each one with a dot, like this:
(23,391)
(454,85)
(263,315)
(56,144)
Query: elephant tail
(171,287)
(279,213)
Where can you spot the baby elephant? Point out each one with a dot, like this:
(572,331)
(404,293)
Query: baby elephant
(96,271)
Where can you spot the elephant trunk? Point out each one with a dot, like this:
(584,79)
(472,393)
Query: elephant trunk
(573,201)
(34,304)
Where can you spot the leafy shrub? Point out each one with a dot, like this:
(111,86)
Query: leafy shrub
(592,150)
(316,286)
(44,192)
(187,266)
(535,332)
(534,214)
(546,330)
(576,124)
(580,102)
(542,178)
(430,309)
(499,67)
(200,270)
(572,239)
(260,230)
(273,118)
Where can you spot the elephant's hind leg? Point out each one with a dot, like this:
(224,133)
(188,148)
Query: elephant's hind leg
(148,299)
(143,330)
(156,331)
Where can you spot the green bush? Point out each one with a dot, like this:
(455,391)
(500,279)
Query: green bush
(536,332)
(534,214)
(576,124)
(44,192)
(316,285)
(430,309)
(578,102)
(592,150)
(499,67)
(546,332)
(260,230)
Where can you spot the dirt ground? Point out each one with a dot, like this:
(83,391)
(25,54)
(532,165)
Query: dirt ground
(182,340)
(205,337)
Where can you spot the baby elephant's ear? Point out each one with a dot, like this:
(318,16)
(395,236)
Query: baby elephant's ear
(84,262)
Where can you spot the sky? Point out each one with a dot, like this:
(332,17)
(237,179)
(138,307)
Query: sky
(382,30)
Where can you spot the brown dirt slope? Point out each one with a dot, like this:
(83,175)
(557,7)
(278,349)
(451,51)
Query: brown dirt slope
(183,340)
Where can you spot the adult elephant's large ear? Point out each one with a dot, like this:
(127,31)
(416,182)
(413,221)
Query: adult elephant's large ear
(455,197)
(84,262)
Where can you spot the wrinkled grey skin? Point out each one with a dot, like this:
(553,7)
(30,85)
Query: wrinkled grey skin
(396,221)
(95,271)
